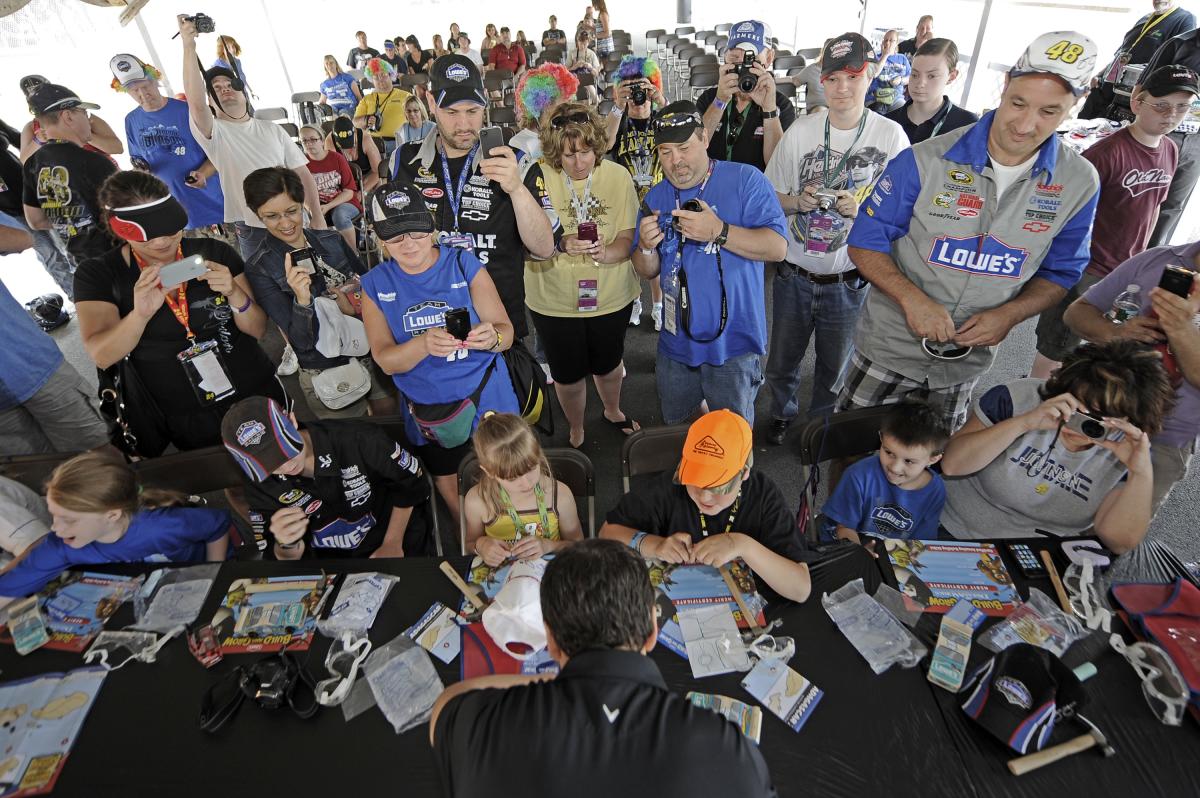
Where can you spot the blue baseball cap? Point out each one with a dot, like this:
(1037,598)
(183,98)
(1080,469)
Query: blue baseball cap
(749,35)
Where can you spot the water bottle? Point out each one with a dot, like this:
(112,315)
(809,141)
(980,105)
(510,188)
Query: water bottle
(1127,305)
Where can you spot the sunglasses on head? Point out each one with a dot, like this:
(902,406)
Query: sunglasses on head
(947,350)
(577,118)
(678,119)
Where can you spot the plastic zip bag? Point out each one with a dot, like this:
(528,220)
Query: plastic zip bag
(357,603)
(872,630)
(404,683)
(172,597)
(1039,622)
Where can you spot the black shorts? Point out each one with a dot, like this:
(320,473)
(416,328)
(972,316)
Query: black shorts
(577,346)
(439,461)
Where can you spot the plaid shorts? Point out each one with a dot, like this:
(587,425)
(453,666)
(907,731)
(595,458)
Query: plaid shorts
(868,384)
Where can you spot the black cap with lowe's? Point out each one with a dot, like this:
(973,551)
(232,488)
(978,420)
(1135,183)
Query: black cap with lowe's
(50,97)
(454,79)
(676,123)
(396,208)
(1170,79)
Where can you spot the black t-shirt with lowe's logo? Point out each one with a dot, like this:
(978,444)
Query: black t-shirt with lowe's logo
(485,212)
(360,474)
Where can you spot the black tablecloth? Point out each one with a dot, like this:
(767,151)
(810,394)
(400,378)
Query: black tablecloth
(894,733)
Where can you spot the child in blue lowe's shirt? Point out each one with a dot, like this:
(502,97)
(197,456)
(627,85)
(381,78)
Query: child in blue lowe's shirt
(894,495)
(101,515)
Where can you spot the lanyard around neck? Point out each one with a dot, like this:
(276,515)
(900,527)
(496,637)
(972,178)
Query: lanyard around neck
(543,514)
(454,197)
(732,516)
(827,176)
(178,303)
(582,213)
(1150,23)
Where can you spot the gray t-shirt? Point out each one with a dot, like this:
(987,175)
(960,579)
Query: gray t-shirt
(1028,488)
(814,92)
(24,518)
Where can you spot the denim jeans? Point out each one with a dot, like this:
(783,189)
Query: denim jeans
(733,385)
(56,260)
(799,308)
(249,238)
(342,217)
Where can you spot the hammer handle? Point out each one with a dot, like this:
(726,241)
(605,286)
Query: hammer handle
(1063,601)
(731,583)
(453,576)
(1023,764)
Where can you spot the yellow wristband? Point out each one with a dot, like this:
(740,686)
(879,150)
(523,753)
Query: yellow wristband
(499,340)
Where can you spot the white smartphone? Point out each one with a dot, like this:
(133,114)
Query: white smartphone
(181,271)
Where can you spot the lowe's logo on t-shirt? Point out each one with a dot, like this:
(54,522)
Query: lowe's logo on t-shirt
(892,520)
(343,534)
(978,254)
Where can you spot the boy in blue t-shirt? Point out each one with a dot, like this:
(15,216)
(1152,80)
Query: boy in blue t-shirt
(894,495)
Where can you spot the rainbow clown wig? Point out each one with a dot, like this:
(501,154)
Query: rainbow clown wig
(542,88)
(377,67)
(632,68)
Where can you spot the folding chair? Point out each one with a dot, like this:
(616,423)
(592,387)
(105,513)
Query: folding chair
(569,466)
(503,116)
(32,470)
(651,450)
(271,114)
(393,426)
(704,77)
(313,98)
(369,247)
(822,439)
(413,79)
(723,28)
(810,53)
(784,63)
(685,31)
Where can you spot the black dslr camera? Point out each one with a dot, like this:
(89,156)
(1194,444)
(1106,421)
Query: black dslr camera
(690,205)
(270,682)
(637,93)
(203,23)
(747,80)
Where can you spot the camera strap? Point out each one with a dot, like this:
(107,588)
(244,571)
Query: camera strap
(243,682)
(685,304)
(827,176)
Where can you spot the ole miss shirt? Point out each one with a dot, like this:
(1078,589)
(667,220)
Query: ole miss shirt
(360,474)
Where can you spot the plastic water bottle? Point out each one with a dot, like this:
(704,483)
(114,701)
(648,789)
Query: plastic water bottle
(1127,305)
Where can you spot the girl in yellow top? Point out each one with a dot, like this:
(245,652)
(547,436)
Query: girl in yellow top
(517,510)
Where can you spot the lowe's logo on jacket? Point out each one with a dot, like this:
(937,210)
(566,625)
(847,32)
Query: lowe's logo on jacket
(984,254)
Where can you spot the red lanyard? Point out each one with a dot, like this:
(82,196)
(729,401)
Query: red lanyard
(178,304)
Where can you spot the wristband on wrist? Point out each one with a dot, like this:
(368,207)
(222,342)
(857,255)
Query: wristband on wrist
(244,307)
(647,252)
(719,104)
(499,340)
(635,542)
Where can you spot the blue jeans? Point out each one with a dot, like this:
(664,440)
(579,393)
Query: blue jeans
(342,217)
(57,262)
(733,385)
(799,308)
(249,238)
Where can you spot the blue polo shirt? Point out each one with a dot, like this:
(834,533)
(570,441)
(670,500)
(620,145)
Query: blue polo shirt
(162,138)
(741,195)
(28,358)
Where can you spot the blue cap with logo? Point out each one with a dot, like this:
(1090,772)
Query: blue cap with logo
(749,35)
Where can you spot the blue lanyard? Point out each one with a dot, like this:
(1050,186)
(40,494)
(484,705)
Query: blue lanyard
(454,198)
(678,201)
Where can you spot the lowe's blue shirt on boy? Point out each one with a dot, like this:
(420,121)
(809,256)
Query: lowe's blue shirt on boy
(414,303)
(936,212)
(866,502)
(163,139)
(741,195)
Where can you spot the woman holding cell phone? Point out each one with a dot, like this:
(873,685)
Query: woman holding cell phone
(437,326)
(193,344)
(293,271)
(580,299)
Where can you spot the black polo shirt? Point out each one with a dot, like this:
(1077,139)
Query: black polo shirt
(1178,22)
(360,474)
(661,507)
(949,117)
(606,726)
(748,143)
(1183,49)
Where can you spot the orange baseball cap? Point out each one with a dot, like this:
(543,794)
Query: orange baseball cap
(717,448)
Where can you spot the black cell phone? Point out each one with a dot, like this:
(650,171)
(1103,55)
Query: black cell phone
(304,259)
(1029,564)
(458,323)
(645,208)
(489,139)
(1178,280)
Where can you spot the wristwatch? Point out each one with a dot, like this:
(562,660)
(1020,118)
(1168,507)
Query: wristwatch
(771,114)
(723,236)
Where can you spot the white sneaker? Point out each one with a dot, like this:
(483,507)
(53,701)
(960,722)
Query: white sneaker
(288,365)
(635,318)
(546,369)
(656,314)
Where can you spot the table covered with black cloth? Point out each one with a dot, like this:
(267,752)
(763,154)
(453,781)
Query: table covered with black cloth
(894,733)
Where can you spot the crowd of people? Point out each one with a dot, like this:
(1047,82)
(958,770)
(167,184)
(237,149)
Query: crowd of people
(906,237)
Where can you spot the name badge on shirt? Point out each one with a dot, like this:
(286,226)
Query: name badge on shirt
(460,240)
(206,372)
(669,312)
(589,296)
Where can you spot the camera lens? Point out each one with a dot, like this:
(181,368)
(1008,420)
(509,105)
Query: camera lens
(637,95)
(747,81)
(1092,428)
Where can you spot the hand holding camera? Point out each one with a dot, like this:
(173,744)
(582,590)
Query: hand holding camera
(695,220)
(190,26)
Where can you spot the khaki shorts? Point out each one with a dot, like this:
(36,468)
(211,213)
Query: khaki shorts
(1054,338)
(379,390)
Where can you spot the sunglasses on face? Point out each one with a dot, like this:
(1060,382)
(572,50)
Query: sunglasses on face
(577,118)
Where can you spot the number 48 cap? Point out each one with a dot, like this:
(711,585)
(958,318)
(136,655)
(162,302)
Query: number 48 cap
(1065,54)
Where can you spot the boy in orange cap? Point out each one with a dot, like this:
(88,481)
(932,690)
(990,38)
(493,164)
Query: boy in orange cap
(714,509)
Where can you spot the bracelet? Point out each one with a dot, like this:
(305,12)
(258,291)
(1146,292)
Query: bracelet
(499,341)
(647,252)
(719,104)
(244,307)
(635,542)
(771,114)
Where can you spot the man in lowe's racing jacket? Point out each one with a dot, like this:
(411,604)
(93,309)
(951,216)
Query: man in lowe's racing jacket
(968,234)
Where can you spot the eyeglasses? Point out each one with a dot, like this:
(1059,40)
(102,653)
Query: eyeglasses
(1086,595)
(1173,109)
(1162,684)
(343,661)
(414,236)
(945,351)
(311,141)
(577,118)
(677,119)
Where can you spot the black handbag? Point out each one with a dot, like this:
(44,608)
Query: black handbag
(139,428)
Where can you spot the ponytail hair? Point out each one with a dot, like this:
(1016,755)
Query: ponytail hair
(507,448)
(99,483)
